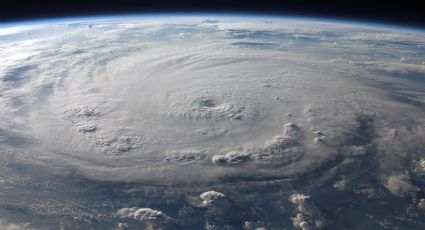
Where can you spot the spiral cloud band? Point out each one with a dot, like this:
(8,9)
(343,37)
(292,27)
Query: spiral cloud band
(227,106)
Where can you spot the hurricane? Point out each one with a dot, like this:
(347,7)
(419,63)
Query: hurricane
(196,122)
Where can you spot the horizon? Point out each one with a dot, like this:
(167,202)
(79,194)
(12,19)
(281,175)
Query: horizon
(215,15)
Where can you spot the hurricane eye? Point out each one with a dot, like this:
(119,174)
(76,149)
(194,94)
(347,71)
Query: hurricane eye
(207,103)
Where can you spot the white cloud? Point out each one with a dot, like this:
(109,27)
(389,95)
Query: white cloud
(154,96)
(210,197)
(160,108)
(341,184)
(86,128)
(4,225)
(309,216)
(141,214)
(150,218)
(251,225)
(400,185)
(231,158)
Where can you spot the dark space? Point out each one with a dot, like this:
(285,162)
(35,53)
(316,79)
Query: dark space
(391,12)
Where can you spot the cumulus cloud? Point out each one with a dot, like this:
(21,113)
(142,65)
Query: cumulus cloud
(250,225)
(79,111)
(419,166)
(219,210)
(290,130)
(122,226)
(309,215)
(185,156)
(400,185)
(210,197)
(86,128)
(341,184)
(421,203)
(153,219)
(141,214)
(231,158)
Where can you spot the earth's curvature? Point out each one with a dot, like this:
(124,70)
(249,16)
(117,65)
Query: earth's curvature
(195,122)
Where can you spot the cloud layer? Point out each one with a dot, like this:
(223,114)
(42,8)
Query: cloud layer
(214,122)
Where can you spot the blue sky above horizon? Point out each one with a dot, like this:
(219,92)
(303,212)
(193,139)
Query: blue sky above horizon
(213,16)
